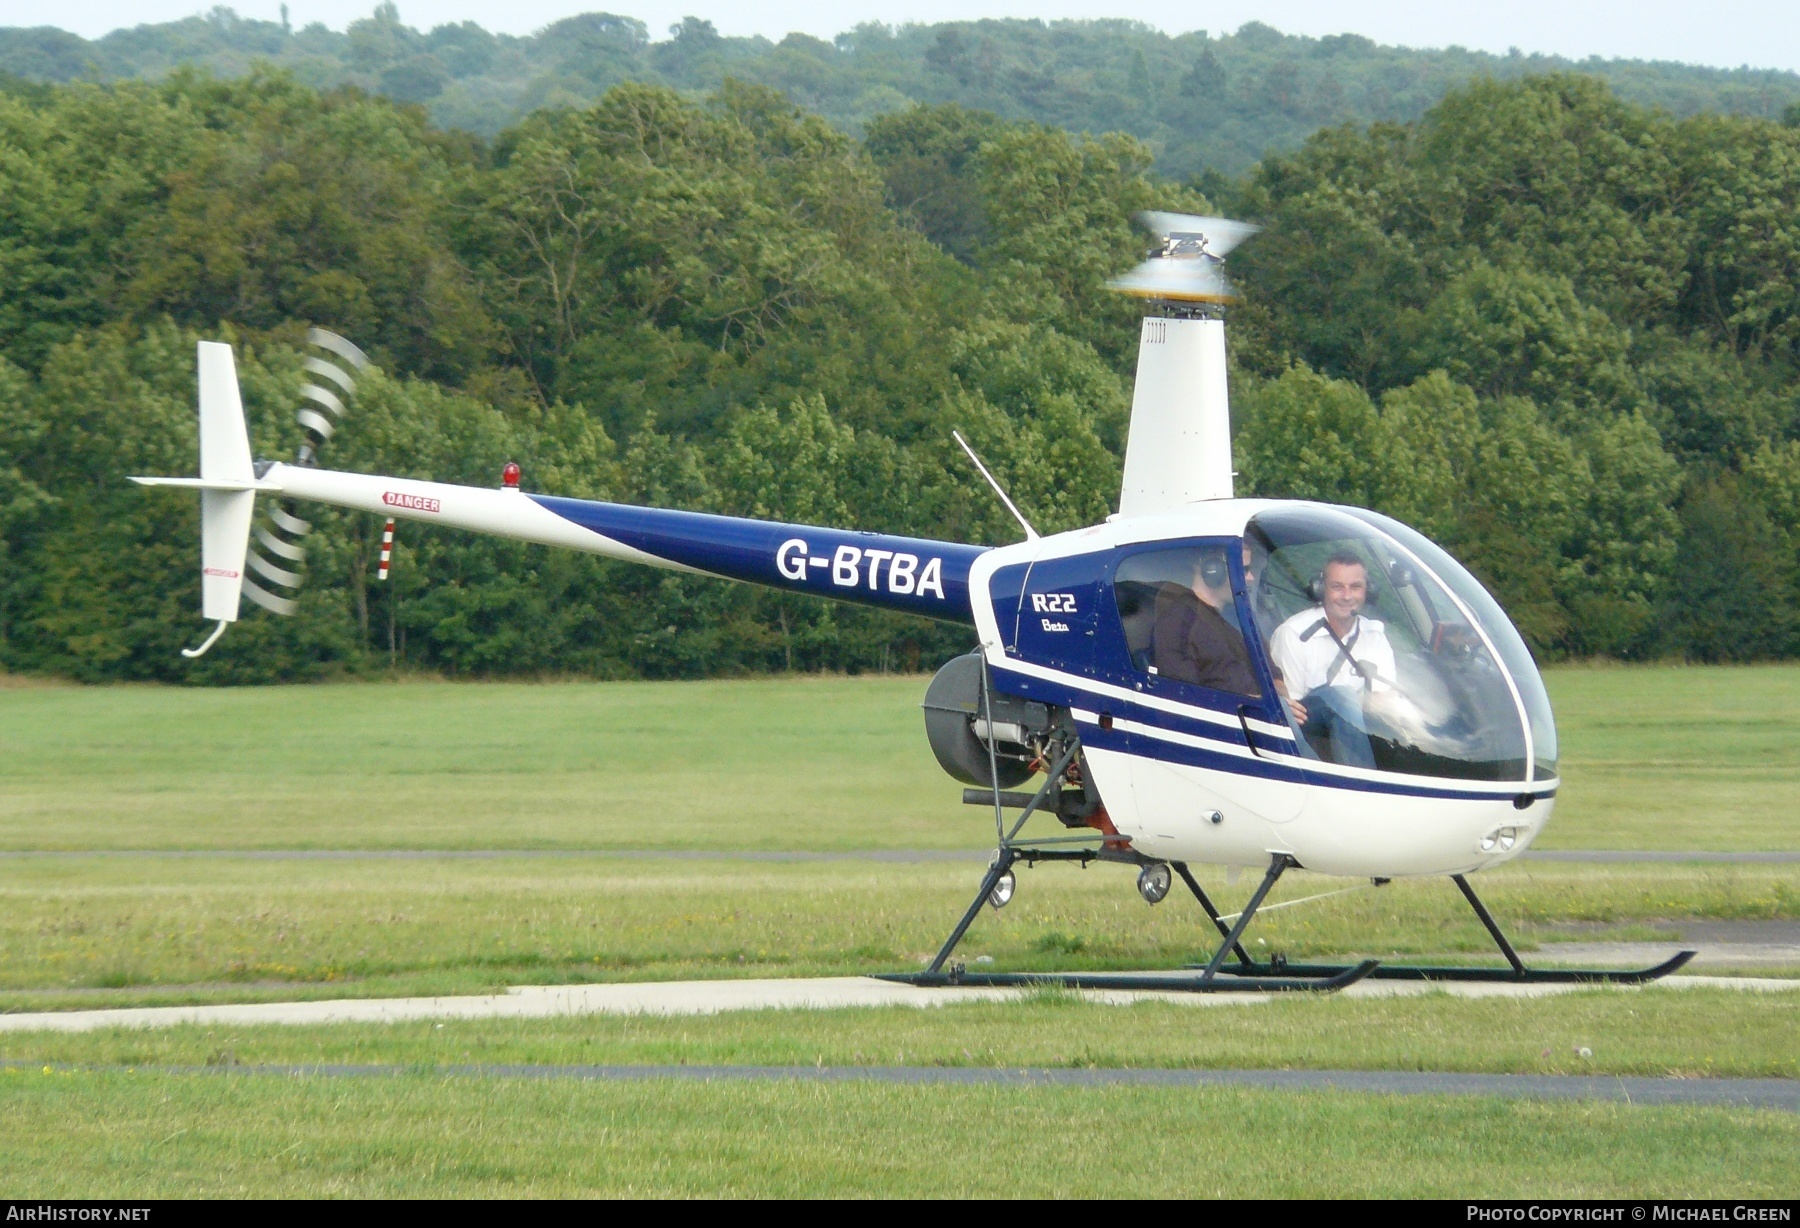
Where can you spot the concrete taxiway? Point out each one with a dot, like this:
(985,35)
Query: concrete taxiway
(713,997)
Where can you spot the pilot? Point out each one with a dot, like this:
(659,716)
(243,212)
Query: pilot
(1330,659)
(1195,636)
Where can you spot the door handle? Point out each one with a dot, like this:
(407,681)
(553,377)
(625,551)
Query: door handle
(1249,738)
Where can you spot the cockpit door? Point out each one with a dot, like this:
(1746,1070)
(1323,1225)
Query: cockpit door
(1204,738)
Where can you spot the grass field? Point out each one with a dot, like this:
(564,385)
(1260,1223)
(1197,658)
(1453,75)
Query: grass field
(150,811)
(94,930)
(145,1135)
(1673,757)
(1657,758)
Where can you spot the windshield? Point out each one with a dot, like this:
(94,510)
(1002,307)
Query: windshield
(1500,630)
(1378,663)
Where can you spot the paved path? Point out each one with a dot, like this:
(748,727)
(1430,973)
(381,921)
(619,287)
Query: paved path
(1708,956)
(1746,1093)
(713,997)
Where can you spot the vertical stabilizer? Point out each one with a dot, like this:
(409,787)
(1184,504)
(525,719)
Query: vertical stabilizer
(224,441)
(224,458)
(1179,449)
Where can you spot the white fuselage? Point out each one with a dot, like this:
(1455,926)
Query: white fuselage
(1235,810)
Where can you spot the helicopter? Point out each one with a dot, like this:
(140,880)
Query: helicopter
(1201,678)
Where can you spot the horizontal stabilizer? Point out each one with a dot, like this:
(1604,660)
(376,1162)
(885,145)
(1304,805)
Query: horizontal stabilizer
(204,484)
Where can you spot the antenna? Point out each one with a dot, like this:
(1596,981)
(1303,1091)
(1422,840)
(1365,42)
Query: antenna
(1031,534)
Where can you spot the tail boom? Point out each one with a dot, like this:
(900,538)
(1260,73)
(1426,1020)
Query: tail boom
(916,575)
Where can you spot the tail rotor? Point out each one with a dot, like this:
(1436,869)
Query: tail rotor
(279,555)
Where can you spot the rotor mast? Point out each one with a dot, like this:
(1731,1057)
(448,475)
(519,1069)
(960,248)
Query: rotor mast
(1179,448)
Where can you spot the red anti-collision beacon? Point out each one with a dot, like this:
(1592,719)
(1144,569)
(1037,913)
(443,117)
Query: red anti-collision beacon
(509,476)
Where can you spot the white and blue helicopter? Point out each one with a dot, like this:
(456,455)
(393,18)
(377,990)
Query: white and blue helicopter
(1199,679)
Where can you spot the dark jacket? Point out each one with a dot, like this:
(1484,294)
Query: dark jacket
(1192,642)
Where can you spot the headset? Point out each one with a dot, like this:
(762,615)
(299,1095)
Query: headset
(1315,587)
(1213,569)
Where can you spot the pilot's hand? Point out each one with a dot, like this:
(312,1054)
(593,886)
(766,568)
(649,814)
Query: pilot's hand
(1299,711)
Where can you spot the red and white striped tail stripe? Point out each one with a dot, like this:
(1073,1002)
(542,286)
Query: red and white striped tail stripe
(387,549)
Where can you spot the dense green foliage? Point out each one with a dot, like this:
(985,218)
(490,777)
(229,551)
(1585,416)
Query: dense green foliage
(701,304)
(1553,329)
(1218,101)
(1580,321)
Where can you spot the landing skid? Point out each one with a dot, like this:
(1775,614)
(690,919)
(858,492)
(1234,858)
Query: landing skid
(1517,974)
(1160,982)
(1243,975)
(1451,972)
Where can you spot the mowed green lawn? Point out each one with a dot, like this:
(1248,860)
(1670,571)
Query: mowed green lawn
(142,1135)
(800,763)
(1654,758)
(80,931)
(139,1135)
(1677,757)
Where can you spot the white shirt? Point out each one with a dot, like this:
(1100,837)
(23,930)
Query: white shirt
(1308,656)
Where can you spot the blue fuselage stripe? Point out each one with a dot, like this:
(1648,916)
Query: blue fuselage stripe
(1275,762)
(894,573)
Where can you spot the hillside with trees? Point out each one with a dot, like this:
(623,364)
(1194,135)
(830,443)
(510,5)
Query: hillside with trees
(1554,328)
(1202,101)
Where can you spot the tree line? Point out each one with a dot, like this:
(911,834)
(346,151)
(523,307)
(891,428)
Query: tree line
(1202,100)
(1552,328)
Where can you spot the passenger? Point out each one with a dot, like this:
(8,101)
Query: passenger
(1193,639)
(1330,658)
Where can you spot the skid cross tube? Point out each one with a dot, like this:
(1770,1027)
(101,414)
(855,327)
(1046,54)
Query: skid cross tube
(1252,980)
(1277,865)
(1008,852)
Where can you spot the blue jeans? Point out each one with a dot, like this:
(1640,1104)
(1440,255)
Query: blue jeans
(1336,712)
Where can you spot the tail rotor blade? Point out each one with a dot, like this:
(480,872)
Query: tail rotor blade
(327,340)
(269,601)
(325,404)
(325,397)
(292,553)
(259,564)
(290,524)
(332,372)
(317,423)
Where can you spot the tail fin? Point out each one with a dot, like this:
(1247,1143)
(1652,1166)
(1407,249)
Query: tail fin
(227,486)
(224,458)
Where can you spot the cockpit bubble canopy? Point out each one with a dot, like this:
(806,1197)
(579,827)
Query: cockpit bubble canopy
(1419,671)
